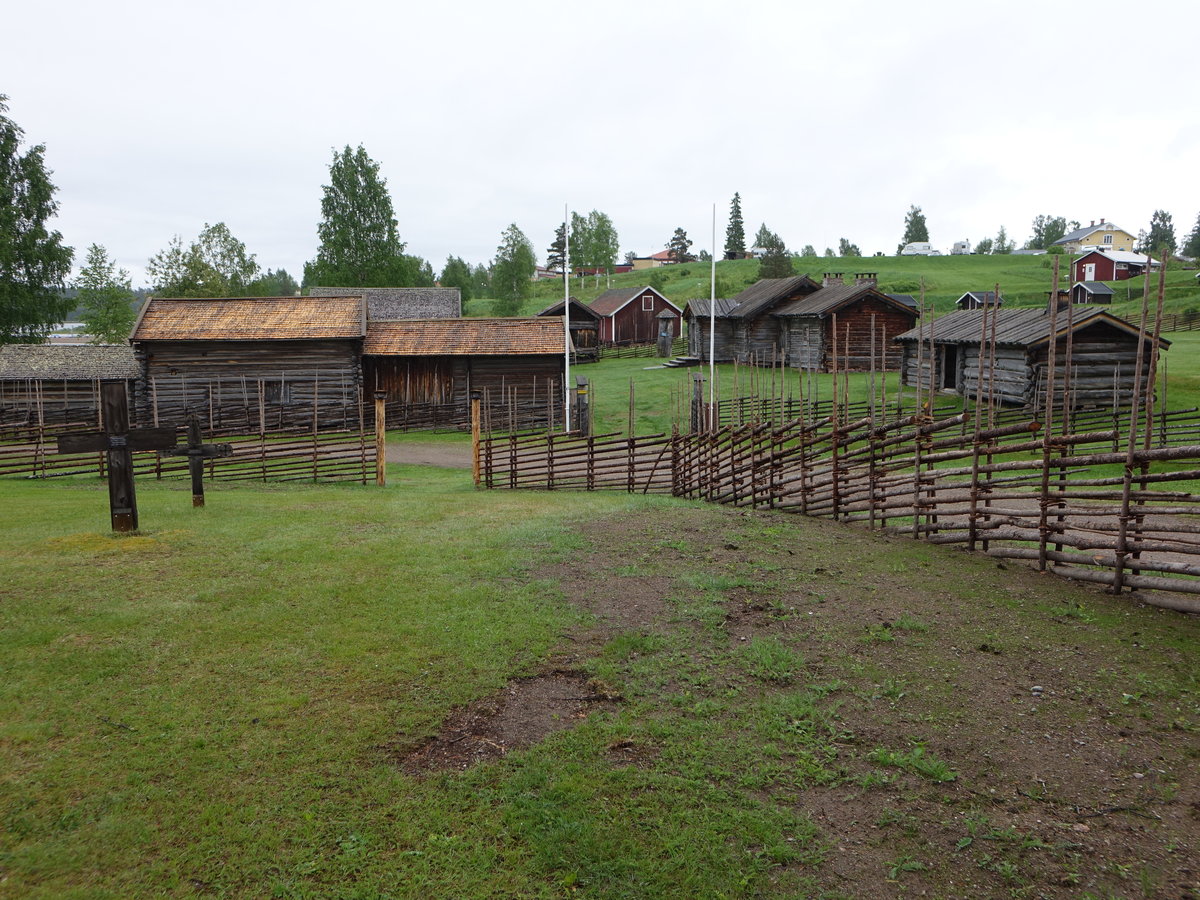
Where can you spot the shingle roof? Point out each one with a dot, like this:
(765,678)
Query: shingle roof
(700,306)
(906,299)
(832,298)
(402,302)
(981,297)
(578,310)
(1024,327)
(72,362)
(1095,287)
(1121,256)
(764,294)
(465,337)
(251,319)
(1080,233)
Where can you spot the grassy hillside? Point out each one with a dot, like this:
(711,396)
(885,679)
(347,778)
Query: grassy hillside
(1023,280)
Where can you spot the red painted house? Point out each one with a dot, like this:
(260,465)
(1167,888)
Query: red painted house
(630,315)
(1110,265)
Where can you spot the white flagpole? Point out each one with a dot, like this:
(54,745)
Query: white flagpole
(566,320)
(712,326)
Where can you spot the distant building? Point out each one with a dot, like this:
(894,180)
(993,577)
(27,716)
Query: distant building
(978,300)
(1105,236)
(630,315)
(1110,265)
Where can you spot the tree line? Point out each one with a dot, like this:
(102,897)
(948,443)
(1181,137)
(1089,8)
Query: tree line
(359,247)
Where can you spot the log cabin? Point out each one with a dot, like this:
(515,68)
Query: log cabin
(946,354)
(585,328)
(59,383)
(745,330)
(630,315)
(401,303)
(200,355)
(849,327)
(440,361)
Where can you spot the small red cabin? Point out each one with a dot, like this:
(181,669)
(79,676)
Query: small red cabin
(630,315)
(1109,265)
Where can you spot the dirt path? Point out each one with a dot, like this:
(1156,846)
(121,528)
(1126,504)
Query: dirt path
(447,456)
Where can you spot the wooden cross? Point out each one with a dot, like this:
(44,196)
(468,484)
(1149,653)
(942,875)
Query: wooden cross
(197,452)
(119,441)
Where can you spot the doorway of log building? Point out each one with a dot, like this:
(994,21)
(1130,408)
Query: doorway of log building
(950,367)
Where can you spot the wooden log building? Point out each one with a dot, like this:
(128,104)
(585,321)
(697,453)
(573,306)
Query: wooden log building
(745,330)
(1103,355)
(440,361)
(199,355)
(59,381)
(630,315)
(389,303)
(585,328)
(865,319)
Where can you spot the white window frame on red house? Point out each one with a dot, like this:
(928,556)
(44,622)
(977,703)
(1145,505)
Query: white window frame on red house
(647,303)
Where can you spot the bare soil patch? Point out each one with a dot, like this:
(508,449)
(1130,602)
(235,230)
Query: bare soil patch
(447,456)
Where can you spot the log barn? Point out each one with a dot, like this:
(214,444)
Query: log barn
(440,361)
(1103,355)
(630,315)
(201,355)
(585,328)
(857,322)
(746,331)
(59,383)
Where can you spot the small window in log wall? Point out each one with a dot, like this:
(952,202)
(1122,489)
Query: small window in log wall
(648,302)
(277,392)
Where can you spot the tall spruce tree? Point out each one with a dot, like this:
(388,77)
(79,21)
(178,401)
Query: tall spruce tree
(915,228)
(34,264)
(105,295)
(556,253)
(360,246)
(776,262)
(735,231)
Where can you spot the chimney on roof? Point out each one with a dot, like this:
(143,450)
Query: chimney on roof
(1093,225)
(1101,221)
(831,278)
(866,278)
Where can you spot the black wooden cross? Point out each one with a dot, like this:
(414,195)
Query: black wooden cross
(197,452)
(119,441)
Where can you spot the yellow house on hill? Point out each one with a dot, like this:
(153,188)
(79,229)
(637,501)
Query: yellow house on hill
(1103,236)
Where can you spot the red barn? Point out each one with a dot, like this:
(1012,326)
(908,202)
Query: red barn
(630,315)
(1110,265)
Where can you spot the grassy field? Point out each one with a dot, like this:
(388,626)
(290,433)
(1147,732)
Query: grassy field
(228,704)
(1023,280)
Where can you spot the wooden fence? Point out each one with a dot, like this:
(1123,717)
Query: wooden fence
(269,441)
(1077,503)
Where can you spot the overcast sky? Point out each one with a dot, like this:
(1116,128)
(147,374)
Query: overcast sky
(830,119)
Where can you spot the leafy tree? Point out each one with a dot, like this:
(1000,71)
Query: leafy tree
(481,281)
(105,296)
(1191,247)
(630,256)
(809,250)
(1162,234)
(735,231)
(34,264)
(360,246)
(657,279)
(915,229)
(512,269)
(1047,230)
(829,252)
(704,256)
(680,248)
(216,264)
(765,236)
(776,262)
(556,253)
(983,247)
(273,284)
(457,274)
(594,240)
(845,248)
(1003,244)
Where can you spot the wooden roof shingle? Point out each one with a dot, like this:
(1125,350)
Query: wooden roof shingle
(1021,327)
(71,362)
(465,337)
(251,319)
(766,292)
(837,296)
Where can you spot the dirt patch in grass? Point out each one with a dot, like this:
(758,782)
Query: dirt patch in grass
(524,712)
(447,456)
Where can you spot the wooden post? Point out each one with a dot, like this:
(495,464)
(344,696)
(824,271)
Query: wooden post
(197,452)
(381,438)
(475,474)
